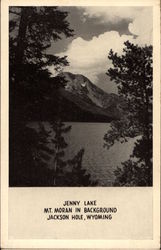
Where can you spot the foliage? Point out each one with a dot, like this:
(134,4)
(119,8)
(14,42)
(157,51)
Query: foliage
(29,154)
(67,172)
(59,145)
(131,174)
(78,176)
(32,94)
(32,29)
(132,72)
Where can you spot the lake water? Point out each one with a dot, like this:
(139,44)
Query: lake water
(98,161)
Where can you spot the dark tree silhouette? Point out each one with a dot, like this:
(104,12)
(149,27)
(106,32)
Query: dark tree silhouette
(32,94)
(31,31)
(78,176)
(59,145)
(67,172)
(30,156)
(132,72)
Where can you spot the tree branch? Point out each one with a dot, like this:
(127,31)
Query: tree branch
(14,12)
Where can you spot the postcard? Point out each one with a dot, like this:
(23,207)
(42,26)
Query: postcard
(80,124)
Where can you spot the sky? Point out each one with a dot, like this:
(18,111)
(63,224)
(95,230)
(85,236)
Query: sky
(97,30)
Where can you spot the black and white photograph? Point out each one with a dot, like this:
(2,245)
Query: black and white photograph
(80,124)
(80,96)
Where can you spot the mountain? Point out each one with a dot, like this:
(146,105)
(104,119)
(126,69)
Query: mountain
(84,101)
(78,100)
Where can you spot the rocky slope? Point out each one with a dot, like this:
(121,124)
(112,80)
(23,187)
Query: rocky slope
(84,101)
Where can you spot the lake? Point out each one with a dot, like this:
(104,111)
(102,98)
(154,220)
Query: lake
(98,161)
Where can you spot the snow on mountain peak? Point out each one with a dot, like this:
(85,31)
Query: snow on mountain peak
(83,84)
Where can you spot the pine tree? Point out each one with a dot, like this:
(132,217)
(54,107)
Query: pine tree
(29,165)
(31,31)
(67,172)
(59,145)
(78,176)
(132,72)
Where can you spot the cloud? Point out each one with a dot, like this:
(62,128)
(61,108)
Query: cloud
(111,14)
(142,26)
(140,19)
(90,58)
